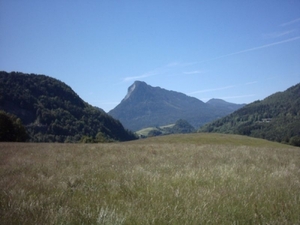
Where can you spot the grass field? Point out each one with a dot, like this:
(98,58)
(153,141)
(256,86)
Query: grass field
(163,129)
(176,179)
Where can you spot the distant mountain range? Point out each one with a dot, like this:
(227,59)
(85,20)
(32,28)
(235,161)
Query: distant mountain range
(147,106)
(276,118)
(52,112)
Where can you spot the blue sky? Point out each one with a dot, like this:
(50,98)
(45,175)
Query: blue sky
(236,50)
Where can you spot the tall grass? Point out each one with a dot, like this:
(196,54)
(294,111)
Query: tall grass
(180,179)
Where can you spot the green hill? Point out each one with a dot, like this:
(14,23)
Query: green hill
(276,118)
(52,112)
(180,127)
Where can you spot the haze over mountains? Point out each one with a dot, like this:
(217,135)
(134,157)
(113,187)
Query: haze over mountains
(146,106)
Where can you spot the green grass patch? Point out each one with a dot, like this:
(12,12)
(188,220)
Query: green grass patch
(212,138)
(164,129)
(175,179)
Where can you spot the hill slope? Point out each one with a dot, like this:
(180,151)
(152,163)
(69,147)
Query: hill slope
(52,111)
(180,127)
(276,118)
(147,106)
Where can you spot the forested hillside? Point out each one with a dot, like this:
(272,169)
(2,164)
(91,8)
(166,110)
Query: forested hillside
(275,118)
(52,112)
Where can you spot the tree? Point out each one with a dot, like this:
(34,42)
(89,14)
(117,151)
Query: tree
(153,133)
(6,128)
(11,128)
(295,141)
(100,137)
(86,139)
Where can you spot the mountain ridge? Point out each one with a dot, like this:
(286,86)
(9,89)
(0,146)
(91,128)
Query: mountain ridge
(146,106)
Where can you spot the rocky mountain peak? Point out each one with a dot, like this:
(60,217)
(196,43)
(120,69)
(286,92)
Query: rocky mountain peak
(135,86)
(145,106)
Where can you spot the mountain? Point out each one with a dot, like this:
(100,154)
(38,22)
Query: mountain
(147,106)
(276,118)
(223,105)
(52,112)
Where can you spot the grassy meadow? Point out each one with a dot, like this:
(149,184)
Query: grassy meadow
(162,129)
(176,179)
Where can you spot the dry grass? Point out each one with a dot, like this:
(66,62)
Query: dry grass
(180,179)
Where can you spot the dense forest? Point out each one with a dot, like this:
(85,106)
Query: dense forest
(52,112)
(276,118)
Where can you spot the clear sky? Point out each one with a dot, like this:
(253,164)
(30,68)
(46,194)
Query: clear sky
(236,50)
